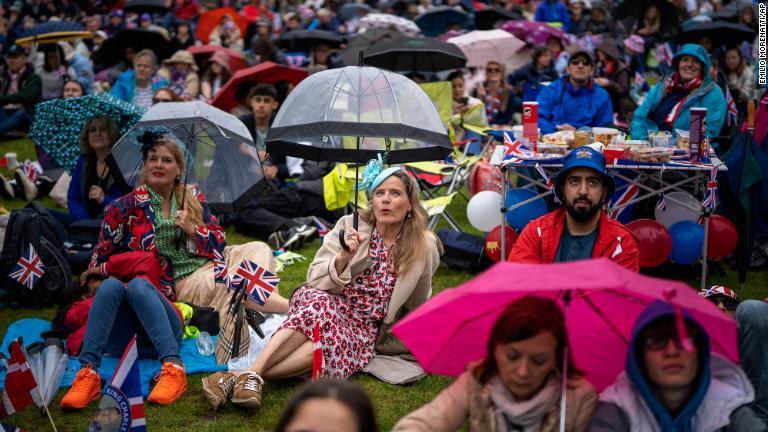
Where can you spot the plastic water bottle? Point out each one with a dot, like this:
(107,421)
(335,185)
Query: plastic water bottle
(204,344)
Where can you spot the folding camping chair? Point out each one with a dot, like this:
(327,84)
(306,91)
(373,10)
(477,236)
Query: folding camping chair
(440,182)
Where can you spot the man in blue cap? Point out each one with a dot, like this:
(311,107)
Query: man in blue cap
(580,229)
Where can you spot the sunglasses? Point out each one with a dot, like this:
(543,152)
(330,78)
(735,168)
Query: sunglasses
(658,342)
(158,100)
(582,62)
(492,70)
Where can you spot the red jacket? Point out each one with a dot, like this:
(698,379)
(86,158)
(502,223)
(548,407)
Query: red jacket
(124,266)
(540,238)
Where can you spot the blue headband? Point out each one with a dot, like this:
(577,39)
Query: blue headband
(381,177)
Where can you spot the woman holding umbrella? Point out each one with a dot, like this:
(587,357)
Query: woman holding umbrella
(517,386)
(216,75)
(668,105)
(354,291)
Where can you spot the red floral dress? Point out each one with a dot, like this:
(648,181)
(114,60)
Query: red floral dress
(349,321)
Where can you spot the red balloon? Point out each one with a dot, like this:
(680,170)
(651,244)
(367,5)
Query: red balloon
(721,238)
(653,241)
(493,242)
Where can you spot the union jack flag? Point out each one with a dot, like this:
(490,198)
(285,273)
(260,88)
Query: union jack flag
(256,281)
(515,151)
(125,390)
(664,53)
(628,195)
(710,197)
(29,269)
(220,274)
(30,170)
(733,113)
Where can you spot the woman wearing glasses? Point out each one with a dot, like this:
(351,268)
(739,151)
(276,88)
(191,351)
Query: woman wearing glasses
(668,388)
(496,95)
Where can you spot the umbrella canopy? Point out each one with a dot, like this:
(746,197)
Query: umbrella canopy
(221,157)
(415,54)
(536,33)
(208,21)
(145,6)
(453,327)
(351,10)
(48,362)
(52,32)
(266,72)
(487,18)
(203,52)
(438,20)
(732,11)
(482,46)
(362,41)
(388,21)
(323,115)
(307,40)
(57,123)
(113,49)
(721,33)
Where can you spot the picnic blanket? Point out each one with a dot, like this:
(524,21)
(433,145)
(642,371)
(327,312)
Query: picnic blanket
(30,328)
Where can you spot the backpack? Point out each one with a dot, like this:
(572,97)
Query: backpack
(33,224)
(464,251)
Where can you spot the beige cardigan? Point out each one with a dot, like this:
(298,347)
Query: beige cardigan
(411,289)
(466,400)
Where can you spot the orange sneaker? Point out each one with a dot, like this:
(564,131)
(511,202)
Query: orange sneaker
(85,388)
(170,386)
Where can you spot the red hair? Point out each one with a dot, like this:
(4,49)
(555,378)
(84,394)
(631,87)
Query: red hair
(523,319)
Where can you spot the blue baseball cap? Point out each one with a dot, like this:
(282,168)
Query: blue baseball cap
(584,157)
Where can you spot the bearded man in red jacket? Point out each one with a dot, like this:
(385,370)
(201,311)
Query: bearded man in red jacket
(580,229)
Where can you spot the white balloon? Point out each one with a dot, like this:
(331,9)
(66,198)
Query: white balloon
(483,210)
(675,212)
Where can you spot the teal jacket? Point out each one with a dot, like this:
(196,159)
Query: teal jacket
(125,86)
(708,96)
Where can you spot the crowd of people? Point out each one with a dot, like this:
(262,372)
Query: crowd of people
(630,65)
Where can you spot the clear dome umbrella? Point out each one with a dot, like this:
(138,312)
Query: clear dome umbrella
(354,114)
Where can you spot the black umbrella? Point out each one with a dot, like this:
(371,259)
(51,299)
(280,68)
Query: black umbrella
(732,11)
(354,114)
(113,49)
(438,20)
(52,32)
(307,40)
(720,32)
(415,54)
(362,41)
(145,6)
(487,18)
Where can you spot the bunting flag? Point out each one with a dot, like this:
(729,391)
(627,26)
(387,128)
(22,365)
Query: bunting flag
(257,283)
(29,269)
(710,196)
(317,353)
(733,112)
(622,214)
(19,382)
(662,204)
(5,427)
(122,406)
(546,179)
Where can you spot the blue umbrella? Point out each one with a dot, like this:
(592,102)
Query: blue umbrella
(57,123)
(52,32)
(436,21)
(351,10)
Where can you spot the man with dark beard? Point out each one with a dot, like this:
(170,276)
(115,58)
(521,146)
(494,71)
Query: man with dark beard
(580,229)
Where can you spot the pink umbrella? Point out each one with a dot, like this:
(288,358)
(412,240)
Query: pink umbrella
(452,328)
(536,33)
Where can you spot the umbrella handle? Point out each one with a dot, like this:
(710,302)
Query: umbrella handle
(179,233)
(342,242)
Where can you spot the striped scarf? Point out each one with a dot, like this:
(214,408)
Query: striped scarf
(673,84)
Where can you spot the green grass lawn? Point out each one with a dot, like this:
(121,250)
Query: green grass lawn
(192,412)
